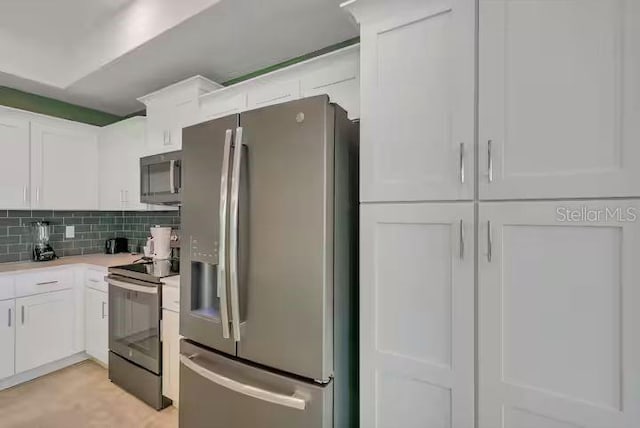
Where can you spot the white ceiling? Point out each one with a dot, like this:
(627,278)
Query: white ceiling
(104,54)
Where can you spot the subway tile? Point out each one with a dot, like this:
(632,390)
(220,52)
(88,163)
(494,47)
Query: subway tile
(18,230)
(17,248)
(4,258)
(42,213)
(99,227)
(63,213)
(6,240)
(3,213)
(81,243)
(9,221)
(106,220)
(19,213)
(73,220)
(3,230)
(83,228)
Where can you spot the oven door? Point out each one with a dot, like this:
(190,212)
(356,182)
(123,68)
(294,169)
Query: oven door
(134,321)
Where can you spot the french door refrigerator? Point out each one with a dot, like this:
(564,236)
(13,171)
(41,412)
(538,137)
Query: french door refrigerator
(268,269)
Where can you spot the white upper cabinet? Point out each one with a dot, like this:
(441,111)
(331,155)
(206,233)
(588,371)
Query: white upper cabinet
(335,74)
(120,147)
(14,173)
(64,165)
(559,98)
(269,93)
(417,99)
(172,108)
(417,315)
(7,338)
(558,314)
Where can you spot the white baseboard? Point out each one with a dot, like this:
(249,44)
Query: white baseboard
(42,370)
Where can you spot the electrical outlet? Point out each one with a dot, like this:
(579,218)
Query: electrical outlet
(70,232)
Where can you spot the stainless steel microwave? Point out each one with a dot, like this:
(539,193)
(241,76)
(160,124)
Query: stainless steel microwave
(161,178)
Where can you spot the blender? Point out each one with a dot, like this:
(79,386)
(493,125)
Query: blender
(42,251)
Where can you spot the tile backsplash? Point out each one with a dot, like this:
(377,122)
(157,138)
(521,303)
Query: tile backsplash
(92,228)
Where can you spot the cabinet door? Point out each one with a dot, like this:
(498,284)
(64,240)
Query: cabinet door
(559,326)
(275,92)
(14,174)
(64,166)
(120,147)
(559,97)
(417,103)
(170,355)
(97,325)
(7,338)
(417,315)
(44,329)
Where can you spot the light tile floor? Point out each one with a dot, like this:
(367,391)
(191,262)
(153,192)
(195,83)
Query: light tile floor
(77,397)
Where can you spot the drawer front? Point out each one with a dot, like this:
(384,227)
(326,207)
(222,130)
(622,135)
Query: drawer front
(94,278)
(171,298)
(7,287)
(43,282)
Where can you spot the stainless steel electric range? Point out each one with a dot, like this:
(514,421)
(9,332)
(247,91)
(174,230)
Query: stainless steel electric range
(135,311)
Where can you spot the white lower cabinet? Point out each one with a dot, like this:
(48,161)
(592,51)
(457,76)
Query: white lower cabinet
(97,325)
(7,338)
(44,329)
(417,315)
(170,355)
(559,325)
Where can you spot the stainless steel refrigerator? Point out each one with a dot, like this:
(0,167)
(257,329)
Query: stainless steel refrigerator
(268,269)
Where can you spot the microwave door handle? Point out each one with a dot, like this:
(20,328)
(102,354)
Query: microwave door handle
(172,175)
(233,231)
(222,245)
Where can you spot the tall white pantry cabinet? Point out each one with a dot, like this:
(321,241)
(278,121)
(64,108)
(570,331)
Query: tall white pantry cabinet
(499,274)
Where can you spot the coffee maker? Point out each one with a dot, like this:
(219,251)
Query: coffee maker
(42,251)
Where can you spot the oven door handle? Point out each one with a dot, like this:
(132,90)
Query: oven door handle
(132,287)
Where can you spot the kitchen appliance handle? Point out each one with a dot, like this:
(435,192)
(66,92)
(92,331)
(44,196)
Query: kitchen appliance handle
(489,242)
(172,175)
(133,287)
(103,313)
(222,245)
(462,163)
(490,160)
(461,240)
(233,231)
(10,317)
(46,282)
(261,394)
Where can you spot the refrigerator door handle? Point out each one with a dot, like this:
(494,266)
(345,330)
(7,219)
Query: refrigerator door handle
(233,231)
(291,401)
(222,245)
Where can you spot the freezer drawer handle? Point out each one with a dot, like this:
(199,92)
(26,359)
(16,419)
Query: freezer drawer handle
(241,388)
(133,287)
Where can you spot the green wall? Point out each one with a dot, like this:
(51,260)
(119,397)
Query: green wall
(44,105)
(38,104)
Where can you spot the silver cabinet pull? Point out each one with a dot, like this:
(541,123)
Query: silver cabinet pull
(233,230)
(294,401)
(222,219)
(172,175)
(490,160)
(9,324)
(37,195)
(46,282)
(25,190)
(103,312)
(22,315)
(462,163)
(489,242)
(461,240)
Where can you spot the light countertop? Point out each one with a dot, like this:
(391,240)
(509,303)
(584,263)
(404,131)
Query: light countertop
(103,260)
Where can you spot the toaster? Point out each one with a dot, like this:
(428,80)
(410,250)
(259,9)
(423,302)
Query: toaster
(116,245)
